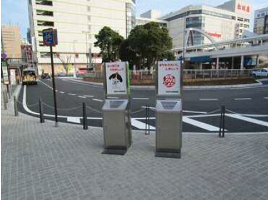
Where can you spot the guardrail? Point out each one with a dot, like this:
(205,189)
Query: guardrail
(187,74)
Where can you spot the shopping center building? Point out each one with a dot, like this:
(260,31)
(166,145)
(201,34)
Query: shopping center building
(224,22)
(77,22)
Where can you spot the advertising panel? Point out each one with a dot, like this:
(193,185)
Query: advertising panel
(169,78)
(116,79)
(13,77)
(5,72)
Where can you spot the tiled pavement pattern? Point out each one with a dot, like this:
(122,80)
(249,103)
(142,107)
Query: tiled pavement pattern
(40,161)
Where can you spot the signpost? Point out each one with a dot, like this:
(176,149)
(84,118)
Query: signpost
(50,39)
(5,72)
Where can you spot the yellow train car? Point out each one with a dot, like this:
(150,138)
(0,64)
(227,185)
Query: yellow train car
(29,77)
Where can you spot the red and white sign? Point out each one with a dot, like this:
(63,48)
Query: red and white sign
(243,8)
(116,82)
(214,34)
(169,78)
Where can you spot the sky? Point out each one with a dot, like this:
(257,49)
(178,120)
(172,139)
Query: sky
(16,12)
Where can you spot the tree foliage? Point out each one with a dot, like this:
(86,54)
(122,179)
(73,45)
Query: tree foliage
(109,42)
(146,44)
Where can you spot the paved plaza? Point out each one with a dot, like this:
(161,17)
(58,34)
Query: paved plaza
(40,161)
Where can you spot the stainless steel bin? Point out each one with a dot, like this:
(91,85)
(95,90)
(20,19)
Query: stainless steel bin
(168,128)
(116,126)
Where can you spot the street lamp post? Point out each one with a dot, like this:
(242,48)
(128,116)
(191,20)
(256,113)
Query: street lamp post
(74,58)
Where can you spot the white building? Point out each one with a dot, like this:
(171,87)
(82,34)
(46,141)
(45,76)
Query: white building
(261,21)
(150,16)
(224,22)
(77,22)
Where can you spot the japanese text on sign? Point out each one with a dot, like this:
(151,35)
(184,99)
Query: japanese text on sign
(169,78)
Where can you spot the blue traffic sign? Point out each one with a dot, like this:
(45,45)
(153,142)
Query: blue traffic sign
(50,37)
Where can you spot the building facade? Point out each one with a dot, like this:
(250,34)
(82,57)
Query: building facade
(150,16)
(260,21)
(77,23)
(11,41)
(224,22)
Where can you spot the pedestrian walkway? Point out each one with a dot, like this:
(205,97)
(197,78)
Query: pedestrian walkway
(40,161)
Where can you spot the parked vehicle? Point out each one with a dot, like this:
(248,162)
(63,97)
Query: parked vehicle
(261,73)
(45,76)
(29,76)
(61,74)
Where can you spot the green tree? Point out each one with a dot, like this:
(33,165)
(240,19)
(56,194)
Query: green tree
(109,42)
(146,44)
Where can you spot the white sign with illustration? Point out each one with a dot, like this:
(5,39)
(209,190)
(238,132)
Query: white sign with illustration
(116,78)
(169,78)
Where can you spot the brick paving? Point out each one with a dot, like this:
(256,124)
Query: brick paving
(40,161)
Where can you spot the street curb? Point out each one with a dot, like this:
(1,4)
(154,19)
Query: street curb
(17,91)
(185,87)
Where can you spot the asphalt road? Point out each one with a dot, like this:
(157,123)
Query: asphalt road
(247,107)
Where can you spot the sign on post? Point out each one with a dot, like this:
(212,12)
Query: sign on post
(169,78)
(5,72)
(50,37)
(116,78)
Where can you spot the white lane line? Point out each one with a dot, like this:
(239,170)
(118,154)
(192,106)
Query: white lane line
(89,96)
(99,100)
(140,125)
(198,112)
(62,92)
(200,124)
(71,94)
(47,85)
(152,108)
(242,99)
(265,97)
(140,98)
(247,119)
(75,120)
(82,97)
(208,99)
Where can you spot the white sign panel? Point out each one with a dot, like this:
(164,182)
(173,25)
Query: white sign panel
(169,78)
(116,78)
(13,77)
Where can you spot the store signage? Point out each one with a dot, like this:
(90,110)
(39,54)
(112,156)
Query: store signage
(243,7)
(214,34)
(50,37)
(169,78)
(5,72)
(116,78)
(13,77)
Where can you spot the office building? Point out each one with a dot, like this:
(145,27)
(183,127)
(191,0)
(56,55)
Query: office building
(11,41)
(224,22)
(77,22)
(261,21)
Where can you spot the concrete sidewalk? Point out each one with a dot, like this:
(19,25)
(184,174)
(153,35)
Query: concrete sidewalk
(40,161)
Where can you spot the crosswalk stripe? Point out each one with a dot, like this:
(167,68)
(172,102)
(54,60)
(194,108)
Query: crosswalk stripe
(140,125)
(200,124)
(248,119)
(73,120)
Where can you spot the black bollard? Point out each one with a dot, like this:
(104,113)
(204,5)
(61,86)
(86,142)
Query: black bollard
(85,126)
(16,106)
(222,123)
(41,112)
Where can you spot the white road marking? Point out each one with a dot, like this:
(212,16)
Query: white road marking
(140,125)
(71,94)
(62,92)
(89,96)
(189,111)
(242,99)
(74,120)
(47,85)
(152,108)
(247,119)
(99,100)
(208,99)
(140,98)
(200,124)
(82,97)
(265,97)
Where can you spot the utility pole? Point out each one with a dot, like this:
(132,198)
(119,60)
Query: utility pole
(74,58)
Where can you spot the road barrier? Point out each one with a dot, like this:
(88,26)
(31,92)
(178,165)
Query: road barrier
(222,123)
